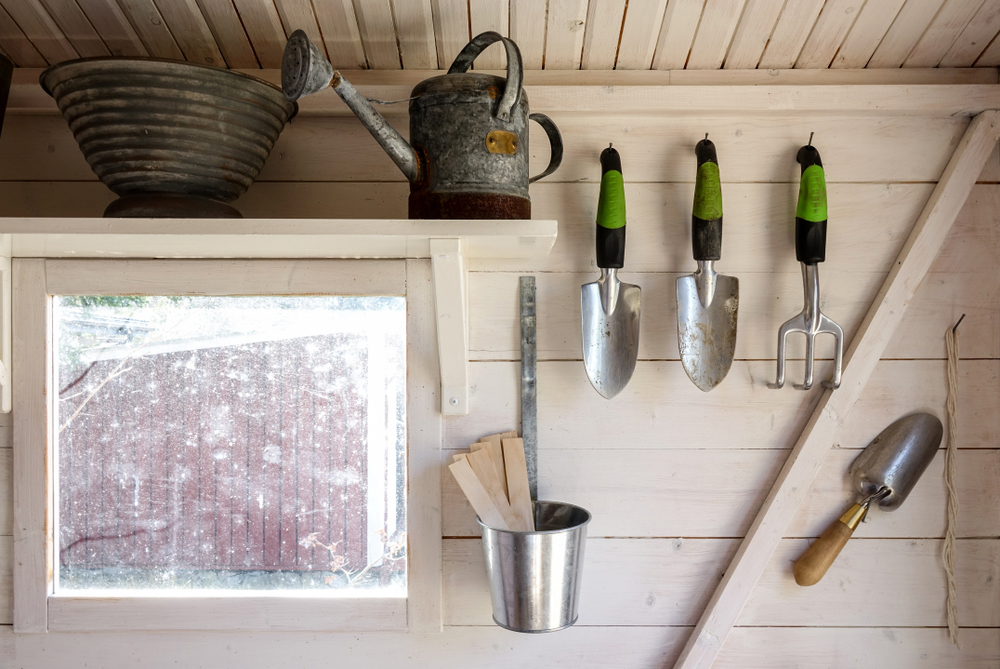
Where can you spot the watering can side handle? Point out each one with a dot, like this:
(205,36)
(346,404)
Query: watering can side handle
(515,70)
(555,142)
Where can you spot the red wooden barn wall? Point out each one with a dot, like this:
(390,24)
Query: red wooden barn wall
(218,458)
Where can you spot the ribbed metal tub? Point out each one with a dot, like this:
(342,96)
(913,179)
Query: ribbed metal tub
(167,132)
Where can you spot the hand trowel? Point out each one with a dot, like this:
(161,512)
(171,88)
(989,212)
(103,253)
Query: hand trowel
(707,302)
(883,474)
(610,308)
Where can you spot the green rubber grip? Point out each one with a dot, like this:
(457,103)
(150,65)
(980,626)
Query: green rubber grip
(810,214)
(611,207)
(812,195)
(708,192)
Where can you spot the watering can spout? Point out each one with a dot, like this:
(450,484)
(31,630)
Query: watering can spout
(305,70)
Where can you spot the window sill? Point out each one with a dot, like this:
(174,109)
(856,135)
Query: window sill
(251,612)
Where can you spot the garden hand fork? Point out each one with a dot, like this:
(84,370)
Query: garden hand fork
(810,250)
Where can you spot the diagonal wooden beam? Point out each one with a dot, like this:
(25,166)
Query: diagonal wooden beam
(804,462)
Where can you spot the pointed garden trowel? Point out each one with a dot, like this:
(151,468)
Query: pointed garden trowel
(610,308)
(707,302)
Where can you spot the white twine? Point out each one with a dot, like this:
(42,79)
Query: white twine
(948,554)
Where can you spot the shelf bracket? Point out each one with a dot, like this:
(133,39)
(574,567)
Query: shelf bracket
(5,324)
(451,308)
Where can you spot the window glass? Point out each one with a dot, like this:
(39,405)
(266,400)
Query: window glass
(230,443)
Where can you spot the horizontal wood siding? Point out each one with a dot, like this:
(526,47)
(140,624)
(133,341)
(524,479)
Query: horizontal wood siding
(672,475)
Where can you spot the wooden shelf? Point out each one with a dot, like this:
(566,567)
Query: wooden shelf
(448,244)
(270,238)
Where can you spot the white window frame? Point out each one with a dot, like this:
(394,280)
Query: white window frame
(38,609)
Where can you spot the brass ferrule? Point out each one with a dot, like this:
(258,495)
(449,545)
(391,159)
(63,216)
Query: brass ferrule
(853,517)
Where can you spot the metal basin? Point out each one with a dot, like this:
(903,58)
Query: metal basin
(170,138)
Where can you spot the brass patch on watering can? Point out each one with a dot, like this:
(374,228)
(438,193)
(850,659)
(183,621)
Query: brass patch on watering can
(501,141)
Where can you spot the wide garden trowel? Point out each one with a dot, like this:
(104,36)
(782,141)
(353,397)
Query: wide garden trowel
(610,308)
(884,474)
(707,302)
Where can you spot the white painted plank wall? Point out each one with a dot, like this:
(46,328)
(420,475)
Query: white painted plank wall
(697,465)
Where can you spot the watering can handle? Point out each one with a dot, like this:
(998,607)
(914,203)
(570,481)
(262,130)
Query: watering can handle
(515,71)
(555,143)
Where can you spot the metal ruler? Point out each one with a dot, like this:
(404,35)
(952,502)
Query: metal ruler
(529,400)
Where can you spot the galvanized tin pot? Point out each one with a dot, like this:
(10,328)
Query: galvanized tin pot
(535,576)
(468,150)
(172,139)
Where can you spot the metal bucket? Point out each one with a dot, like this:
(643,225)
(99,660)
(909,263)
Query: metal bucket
(535,576)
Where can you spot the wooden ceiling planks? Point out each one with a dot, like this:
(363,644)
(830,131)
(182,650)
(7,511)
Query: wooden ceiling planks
(975,38)
(942,32)
(339,25)
(991,56)
(39,27)
(487,15)
(715,33)
(752,35)
(263,26)
(152,29)
(904,33)
(528,25)
(600,41)
(297,14)
(872,25)
(191,32)
(552,34)
(16,44)
(451,29)
(232,39)
(640,31)
(415,32)
(564,34)
(77,28)
(378,34)
(791,33)
(113,27)
(680,23)
(828,33)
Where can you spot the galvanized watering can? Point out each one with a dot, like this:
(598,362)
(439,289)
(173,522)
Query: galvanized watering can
(468,150)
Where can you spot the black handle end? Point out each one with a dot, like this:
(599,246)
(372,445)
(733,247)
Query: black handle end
(705,152)
(808,155)
(610,160)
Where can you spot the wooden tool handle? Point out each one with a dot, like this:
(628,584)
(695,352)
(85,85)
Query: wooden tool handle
(814,563)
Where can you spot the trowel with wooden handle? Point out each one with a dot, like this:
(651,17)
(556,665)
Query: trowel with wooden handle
(707,302)
(884,474)
(610,308)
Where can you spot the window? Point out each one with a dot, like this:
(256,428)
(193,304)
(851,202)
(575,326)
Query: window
(227,445)
(230,443)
